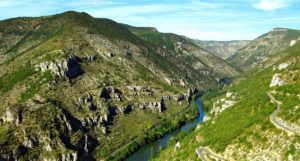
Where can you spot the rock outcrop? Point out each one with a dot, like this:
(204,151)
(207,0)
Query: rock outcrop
(276,80)
(183,96)
(86,102)
(13,116)
(140,90)
(111,93)
(125,109)
(69,68)
(88,57)
(153,106)
(85,146)
(170,81)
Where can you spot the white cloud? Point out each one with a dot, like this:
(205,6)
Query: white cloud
(269,5)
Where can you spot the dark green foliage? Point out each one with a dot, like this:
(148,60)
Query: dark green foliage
(154,37)
(158,131)
(6,136)
(209,98)
(102,26)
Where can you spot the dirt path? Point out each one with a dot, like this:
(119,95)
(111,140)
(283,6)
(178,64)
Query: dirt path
(202,151)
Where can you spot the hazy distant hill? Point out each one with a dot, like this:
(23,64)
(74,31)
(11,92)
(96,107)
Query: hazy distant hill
(255,118)
(261,48)
(222,49)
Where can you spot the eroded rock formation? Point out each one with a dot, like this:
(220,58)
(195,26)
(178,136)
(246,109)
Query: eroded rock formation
(69,67)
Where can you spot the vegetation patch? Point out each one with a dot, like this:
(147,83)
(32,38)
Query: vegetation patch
(8,81)
(35,86)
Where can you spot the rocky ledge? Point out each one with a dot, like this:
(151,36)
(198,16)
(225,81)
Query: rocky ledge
(69,67)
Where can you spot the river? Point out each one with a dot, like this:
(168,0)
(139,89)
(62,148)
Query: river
(144,153)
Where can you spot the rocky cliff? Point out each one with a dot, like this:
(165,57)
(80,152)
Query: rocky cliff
(74,87)
(255,118)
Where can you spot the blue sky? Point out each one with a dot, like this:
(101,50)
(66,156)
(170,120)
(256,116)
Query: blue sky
(200,19)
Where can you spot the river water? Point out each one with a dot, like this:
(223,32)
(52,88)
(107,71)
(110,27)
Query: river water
(144,153)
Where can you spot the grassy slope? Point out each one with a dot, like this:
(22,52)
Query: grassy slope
(240,122)
(167,41)
(263,46)
(19,71)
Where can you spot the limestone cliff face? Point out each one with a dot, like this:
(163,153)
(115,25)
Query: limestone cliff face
(69,68)
(74,87)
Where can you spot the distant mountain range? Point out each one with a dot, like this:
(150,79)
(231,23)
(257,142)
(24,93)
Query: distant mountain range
(259,50)
(222,49)
(257,116)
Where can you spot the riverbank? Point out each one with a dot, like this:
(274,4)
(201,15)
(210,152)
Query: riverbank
(150,150)
(157,132)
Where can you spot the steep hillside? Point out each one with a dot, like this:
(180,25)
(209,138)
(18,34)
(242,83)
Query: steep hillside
(261,48)
(256,118)
(222,49)
(175,47)
(74,87)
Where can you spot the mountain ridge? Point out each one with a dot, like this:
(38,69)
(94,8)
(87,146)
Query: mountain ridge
(97,85)
(261,48)
(223,49)
(254,118)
